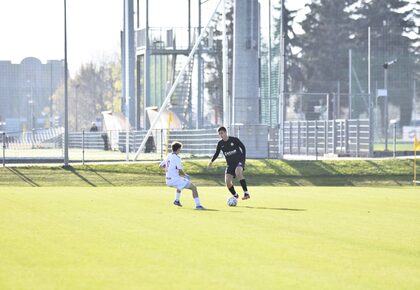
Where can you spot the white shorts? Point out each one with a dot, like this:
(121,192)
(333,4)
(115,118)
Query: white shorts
(178,182)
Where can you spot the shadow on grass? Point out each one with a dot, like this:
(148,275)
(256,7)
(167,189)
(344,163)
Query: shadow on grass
(381,170)
(208,180)
(23,177)
(207,209)
(72,170)
(103,178)
(276,167)
(274,208)
(310,171)
(315,168)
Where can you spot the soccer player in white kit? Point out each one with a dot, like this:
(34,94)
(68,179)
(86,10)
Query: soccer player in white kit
(176,177)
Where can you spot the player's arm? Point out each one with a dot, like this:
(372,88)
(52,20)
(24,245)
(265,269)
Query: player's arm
(181,172)
(242,146)
(215,154)
(162,165)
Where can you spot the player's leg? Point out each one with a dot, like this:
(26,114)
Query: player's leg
(229,183)
(239,171)
(194,190)
(177,201)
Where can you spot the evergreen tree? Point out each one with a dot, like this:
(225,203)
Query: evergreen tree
(390,21)
(324,46)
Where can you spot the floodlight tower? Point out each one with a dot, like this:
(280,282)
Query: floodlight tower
(245,63)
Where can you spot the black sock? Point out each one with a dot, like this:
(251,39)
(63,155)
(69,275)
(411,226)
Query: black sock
(243,184)
(232,190)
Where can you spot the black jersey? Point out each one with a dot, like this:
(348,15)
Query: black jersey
(233,149)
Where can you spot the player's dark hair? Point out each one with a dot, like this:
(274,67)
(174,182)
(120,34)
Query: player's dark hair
(176,145)
(221,129)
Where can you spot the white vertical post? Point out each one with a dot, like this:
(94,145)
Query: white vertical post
(129,54)
(226,107)
(414,103)
(281,85)
(269,61)
(66,99)
(199,122)
(350,91)
(370,105)
(385,122)
(4,148)
(83,147)
(394,139)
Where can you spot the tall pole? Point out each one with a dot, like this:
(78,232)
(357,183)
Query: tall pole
(77,104)
(386,65)
(146,74)
(281,85)
(385,122)
(269,61)
(51,96)
(370,105)
(129,71)
(350,91)
(414,103)
(189,24)
(31,102)
(66,99)
(336,102)
(226,107)
(199,75)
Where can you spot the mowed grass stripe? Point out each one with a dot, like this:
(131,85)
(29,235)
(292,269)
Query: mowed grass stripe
(283,238)
(258,173)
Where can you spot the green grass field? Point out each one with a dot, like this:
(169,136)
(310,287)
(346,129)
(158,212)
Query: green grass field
(395,172)
(283,238)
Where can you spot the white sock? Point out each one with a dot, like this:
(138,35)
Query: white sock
(177,195)
(197,201)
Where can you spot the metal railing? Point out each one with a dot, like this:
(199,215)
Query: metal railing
(322,137)
(305,138)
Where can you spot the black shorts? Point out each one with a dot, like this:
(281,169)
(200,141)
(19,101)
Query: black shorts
(230,169)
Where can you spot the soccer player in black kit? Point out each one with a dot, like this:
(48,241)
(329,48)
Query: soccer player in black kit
(234,151)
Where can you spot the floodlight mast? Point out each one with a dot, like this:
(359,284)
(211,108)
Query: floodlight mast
(171,91)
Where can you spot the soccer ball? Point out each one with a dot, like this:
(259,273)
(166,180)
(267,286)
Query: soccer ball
(232,201)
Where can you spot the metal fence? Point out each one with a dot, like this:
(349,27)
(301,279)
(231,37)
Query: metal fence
(322,137)
(47,145)
(333,138)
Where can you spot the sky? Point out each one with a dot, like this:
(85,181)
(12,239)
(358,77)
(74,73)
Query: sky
(31,28)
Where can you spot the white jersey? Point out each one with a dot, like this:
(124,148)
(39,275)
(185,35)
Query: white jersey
(172,164)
